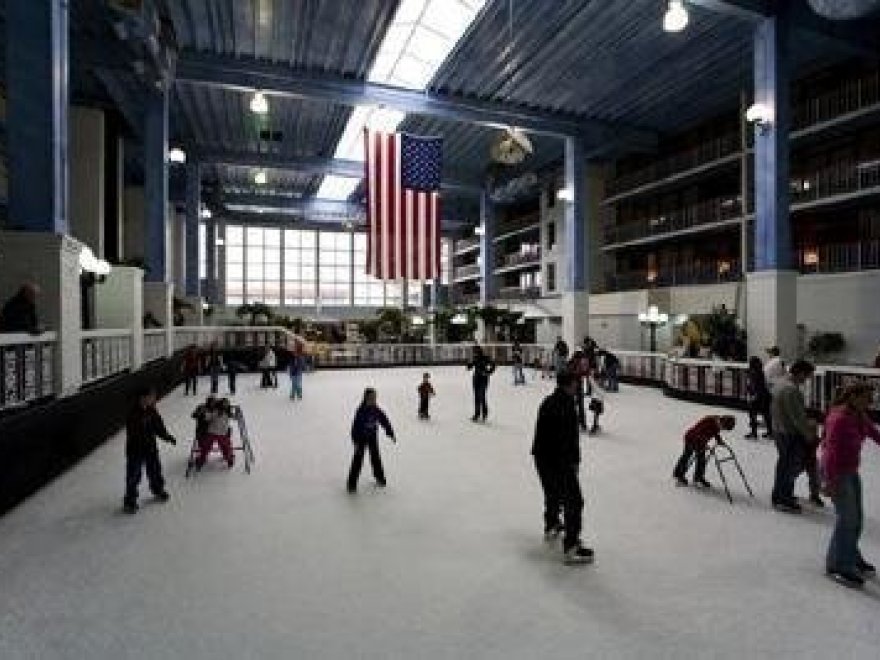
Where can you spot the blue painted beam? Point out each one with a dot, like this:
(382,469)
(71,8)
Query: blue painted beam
(576,254)
(487,250)
(193,210)
(773,249)
(210,248)
(310,165)
(249,75)
(156,186)
(37,60)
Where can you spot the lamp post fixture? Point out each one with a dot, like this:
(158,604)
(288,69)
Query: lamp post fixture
(653,319)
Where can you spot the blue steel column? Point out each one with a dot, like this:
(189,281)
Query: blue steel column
(487,250)
(193,202)
(156,185)
(773,250)
(210,248)
(37,54)
(575,221)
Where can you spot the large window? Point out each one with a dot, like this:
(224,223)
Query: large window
(368,291)
(334,269)
(263,265)
(300,268)
(234,265)
(203,253)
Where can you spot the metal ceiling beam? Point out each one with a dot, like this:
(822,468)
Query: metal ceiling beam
(314,165)
(250,75)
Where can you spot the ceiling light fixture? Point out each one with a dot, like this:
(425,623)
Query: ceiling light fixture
(259,103)
(676,17)
(565,195)
(761,116)
(206,214)
(177,155)
(260,178)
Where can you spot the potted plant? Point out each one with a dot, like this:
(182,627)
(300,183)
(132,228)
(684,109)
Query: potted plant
(823,345)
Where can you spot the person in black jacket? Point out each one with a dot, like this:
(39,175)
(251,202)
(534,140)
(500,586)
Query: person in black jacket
(557,457)
(483,368)
(19,313)
(364,435)
(142,428)
(758,395)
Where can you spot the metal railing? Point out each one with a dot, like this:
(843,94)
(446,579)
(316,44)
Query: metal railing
(466,271)
(518,259)
(465,298)
(840,257)
(521,222)
(518,293)
(27,365)
(720,272)
(105,353)
(377,355)
(849,96)
(841,178)
(232,336)
(464,244)
(657,223)
(155,344)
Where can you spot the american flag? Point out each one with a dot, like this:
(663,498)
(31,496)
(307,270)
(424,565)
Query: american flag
(403,206)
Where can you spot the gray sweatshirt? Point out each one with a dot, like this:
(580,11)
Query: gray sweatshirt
(789,410)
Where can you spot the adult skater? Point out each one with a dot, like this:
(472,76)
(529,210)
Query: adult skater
(758,397)
(483,367)
(295,368)
(580,367)
(191,361)
(215,366)
(516,352)
(774,368)
(696,442)
(793,433)
(559,356)
(143,426)
(846,427)
(557,453)
(364,434)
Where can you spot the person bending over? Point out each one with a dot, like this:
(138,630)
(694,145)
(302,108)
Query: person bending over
(696,441)
(364,435)
(142,427)
(557,455)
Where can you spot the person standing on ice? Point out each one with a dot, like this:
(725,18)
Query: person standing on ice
(483,368)
(364,434)
(557,454)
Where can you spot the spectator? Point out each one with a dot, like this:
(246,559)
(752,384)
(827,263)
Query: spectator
(758,395)
(483,367)
(611,365)
(559,355)
(774,368)
(191,360)
(793,433)
(519,377)
(19,314)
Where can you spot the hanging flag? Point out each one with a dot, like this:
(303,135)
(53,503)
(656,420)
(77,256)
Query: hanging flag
(403,205)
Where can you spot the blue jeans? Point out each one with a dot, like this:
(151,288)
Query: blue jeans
(611,381)
(519,378)
(296,385)
(843,550)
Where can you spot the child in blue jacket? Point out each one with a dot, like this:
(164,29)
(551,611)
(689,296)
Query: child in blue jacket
(364,434)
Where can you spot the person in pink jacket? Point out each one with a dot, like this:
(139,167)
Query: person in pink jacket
(846,427)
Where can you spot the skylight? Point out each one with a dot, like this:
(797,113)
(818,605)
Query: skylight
(418,41)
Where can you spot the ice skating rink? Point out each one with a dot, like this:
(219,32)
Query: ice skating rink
(447,562)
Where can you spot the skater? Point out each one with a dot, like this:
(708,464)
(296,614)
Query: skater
(483,368)
(267,366)
(579,366)
(774,368)
(793,433)
(215,366)
(233,368)
(696,441)
(191,361)
(846,427)
(199,415)
(426,391)
(758,395)
(559,356)
(557,455)
(364,435)
(143,426)
(597,403)
(519,377)
(295,368)
(217,430)
(611,365)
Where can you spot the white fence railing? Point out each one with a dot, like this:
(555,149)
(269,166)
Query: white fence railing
(155,343)
(374,355)
(27,364)
(105,353)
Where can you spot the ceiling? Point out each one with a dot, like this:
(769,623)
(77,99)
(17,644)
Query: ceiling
(606,60)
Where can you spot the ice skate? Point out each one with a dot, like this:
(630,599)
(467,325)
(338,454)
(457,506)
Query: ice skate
(578,554)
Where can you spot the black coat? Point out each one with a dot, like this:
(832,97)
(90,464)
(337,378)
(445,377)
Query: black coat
(142,428)
(483,367)
(19,315)
(557,435)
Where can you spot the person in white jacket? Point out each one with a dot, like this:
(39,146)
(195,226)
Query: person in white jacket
(774,368)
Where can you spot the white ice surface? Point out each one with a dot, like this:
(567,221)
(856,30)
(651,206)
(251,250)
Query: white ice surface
(448,562)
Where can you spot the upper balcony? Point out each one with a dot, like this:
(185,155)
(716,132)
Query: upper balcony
(841,182)
(718,272)
(518,294)
(839,257)
(465,245)
(519,225)
(463,273)
(517,260)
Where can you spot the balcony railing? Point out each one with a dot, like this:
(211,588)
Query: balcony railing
(155,344)
(840,257)
(376,355)
(679,275)
(27,368)
(232,337)
(465,298)
(518,223)
(849,96)
(467,244)
(466,271)
(514,293)
(837,179)
(105,353)
(704,213)
(518,259)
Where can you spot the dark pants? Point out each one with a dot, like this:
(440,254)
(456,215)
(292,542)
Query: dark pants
(134,467)
(191,383)
(760,407)
(481,408)
(423,406)
(232,375)
(266,380)
(611,378)
(358,460)
(682,466)
(792,456)
(579,402)
(215,380)
(811,467)
(561,491)
(843,550)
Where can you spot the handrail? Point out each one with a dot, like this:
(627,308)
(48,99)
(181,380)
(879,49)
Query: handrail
(106,332)
(17,338)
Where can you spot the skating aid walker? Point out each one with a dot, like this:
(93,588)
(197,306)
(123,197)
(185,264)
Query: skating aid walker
(244,445)
(726,457)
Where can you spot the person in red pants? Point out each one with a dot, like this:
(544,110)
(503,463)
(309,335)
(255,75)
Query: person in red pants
(696,440)
(218,430)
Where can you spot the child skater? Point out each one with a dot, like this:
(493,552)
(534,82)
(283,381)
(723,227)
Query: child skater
(597,403)
(426,391)
(143,426)
(218,429)
(696,440)
(364,435)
